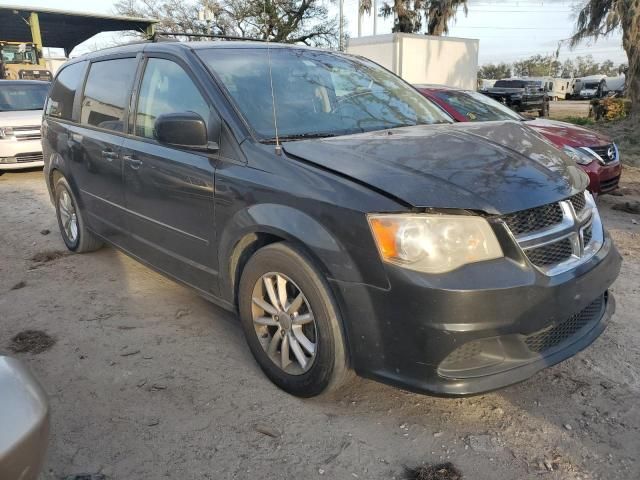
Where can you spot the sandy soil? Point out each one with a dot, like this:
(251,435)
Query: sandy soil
(149,381)
(568,108)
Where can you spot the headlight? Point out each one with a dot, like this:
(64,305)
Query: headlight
(433,243)
(6,132)
(579,156)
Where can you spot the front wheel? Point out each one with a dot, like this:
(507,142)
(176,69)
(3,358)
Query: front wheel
(291,322)
(72,225)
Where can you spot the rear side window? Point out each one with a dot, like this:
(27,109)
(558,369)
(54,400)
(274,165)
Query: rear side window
(63,91)
(106,93)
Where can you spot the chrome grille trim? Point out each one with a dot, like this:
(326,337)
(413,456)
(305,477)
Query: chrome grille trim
(577,226)
(601,153)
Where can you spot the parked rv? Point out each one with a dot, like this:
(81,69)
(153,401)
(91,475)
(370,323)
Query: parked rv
(589,87)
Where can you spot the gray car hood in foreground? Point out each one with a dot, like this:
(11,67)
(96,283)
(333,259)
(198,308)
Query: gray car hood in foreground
(495,167)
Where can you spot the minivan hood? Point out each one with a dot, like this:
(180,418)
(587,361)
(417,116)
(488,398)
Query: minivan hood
(495,167)
(21,118)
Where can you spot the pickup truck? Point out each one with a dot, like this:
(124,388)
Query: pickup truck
(520,95)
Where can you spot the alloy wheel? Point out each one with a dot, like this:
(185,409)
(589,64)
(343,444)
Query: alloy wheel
(68,216)
(284,323)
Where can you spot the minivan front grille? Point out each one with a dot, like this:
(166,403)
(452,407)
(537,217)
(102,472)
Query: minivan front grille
(578,201)
(551,254)
(533,219)
(550,337)
(558,236)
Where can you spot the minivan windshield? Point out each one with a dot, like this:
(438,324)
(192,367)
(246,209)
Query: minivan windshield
(316,93)
(22,96)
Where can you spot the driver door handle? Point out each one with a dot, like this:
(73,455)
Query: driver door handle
(109,155)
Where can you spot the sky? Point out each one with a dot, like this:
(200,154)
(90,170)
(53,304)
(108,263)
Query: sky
(508,30)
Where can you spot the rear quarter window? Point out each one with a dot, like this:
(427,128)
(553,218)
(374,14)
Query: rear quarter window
(106,93)
(63,91)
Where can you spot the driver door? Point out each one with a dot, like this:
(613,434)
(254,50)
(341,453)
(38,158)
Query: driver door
(169,191)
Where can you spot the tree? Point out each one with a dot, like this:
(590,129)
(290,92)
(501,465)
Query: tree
(585,66)
(286,21)
(537,66)
(410,14)
(494,71)
(601,18)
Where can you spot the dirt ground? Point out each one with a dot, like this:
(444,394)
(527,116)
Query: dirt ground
(149,381)
(568,108)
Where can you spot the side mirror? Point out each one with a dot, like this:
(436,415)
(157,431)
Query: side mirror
(184,130)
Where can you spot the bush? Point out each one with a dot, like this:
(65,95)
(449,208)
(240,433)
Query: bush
(610,108)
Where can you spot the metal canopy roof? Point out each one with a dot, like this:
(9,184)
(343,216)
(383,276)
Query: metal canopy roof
(62,29)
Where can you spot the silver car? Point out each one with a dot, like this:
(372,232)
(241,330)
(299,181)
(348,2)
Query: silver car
(21,104)
(24,422)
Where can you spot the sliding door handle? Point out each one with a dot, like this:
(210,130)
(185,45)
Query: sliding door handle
(133,162)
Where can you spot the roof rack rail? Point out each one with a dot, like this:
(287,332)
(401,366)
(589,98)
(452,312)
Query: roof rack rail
(157,36)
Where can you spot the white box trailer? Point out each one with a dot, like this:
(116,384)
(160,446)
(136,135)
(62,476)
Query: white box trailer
(557,88)
(423,59)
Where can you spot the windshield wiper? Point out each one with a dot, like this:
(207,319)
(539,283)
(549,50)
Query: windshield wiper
(298,136)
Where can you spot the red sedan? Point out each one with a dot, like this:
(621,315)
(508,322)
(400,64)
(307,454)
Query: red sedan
(596,154)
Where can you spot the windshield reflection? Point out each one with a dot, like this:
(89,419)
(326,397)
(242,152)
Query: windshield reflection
(316,93)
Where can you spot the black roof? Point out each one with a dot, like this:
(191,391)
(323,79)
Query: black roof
(60,28)
(164,46)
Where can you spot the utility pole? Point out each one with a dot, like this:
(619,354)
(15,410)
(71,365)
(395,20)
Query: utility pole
(341,20)
(375,17)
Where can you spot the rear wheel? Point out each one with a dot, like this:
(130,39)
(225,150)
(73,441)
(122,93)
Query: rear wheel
(291,323)
(71,221)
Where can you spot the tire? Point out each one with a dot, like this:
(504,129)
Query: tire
(326,368)
(78,239)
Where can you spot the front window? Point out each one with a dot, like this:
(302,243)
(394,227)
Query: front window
(162,79)
(15,97)
(316,93)
(476,106)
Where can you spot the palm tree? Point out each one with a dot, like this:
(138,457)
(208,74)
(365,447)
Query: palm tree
(441,12)
(601,18)
(409,14)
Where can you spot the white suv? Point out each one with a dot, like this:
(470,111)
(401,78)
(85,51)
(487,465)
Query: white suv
(21,104)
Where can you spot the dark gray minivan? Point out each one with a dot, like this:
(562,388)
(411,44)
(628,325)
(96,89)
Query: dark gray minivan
(343,215)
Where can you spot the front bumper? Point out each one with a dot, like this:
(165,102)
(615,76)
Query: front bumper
(19,154)
(404,335)
(603,178)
